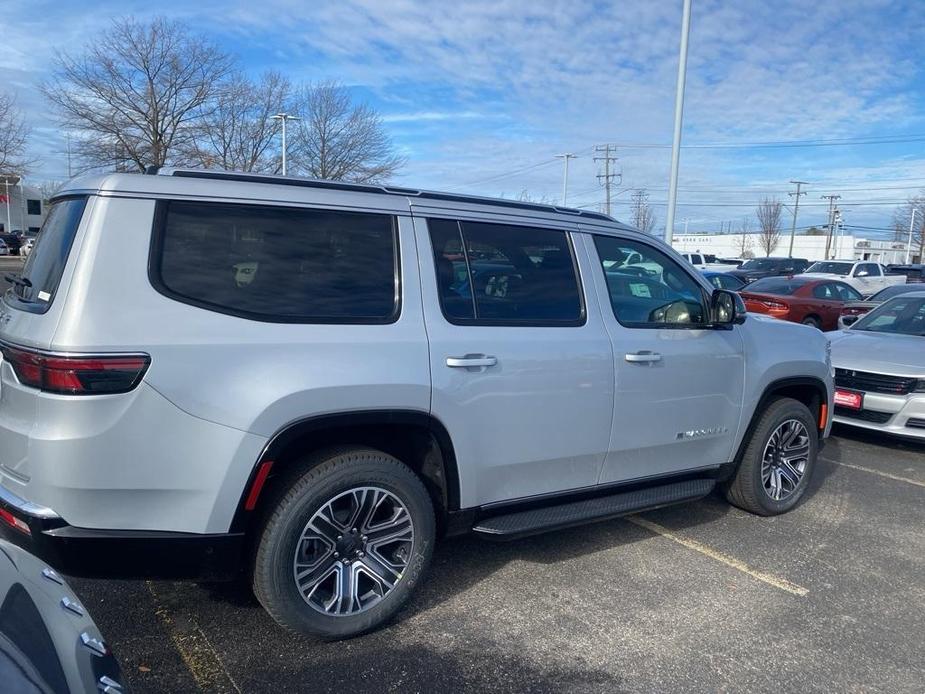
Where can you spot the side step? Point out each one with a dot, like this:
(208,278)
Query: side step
(519,524)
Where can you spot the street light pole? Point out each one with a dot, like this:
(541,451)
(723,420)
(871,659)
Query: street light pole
(565,157)
(909,245)
(678,118)
(283,117)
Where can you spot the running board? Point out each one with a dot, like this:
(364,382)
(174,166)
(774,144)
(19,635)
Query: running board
(519,524)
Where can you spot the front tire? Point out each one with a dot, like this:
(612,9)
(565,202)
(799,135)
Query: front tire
(778,461)
(346,544)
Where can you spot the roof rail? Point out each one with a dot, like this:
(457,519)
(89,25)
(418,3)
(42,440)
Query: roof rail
(369,188)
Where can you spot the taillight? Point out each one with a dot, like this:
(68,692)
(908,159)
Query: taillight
(776,305)
(102,374)
(852,311)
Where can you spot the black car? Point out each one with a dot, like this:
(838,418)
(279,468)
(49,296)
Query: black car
(915,274)
(13,242)
(48,643)
(757,268)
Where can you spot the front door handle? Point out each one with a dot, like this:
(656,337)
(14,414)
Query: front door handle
(470,360)
(643,357)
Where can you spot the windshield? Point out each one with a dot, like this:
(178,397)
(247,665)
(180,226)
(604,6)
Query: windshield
(759,264)
(783,286)
(831,268)
(901,316)
(895,290)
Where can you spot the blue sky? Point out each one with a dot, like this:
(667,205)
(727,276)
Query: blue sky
(480,96)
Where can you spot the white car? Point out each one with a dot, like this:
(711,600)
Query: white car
(4,249)
(880,368)
(868,278)
(706,261)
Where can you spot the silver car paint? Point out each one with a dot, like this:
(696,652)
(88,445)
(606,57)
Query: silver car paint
(176,453)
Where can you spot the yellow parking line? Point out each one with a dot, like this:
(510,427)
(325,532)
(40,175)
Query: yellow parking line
(776,581)
(877,472)
(197,652)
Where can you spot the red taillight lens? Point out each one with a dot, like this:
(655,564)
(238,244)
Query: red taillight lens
(775,305)
(14,522)
(851,311)
(77,375)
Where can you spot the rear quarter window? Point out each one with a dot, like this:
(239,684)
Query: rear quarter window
(278,264)
(44,267)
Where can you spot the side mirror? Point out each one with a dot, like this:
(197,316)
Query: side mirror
(726,308)
(849,320)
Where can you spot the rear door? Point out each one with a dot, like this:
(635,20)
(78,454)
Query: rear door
(521,364)
(679,383)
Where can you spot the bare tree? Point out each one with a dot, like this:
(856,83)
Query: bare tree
(338,139)
(526,196)
(240,134)
(13,135)
(48,189)
(642,216)
(902,220)
(768,213)
(132,97)
(745,239)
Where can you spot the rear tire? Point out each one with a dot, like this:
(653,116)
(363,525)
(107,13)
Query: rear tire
(345,544)
(778,461)
(813,321)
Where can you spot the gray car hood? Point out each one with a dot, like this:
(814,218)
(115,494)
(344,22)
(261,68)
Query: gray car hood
(898,355)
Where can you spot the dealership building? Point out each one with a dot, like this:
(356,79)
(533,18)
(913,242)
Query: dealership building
(21,206)
(846,247)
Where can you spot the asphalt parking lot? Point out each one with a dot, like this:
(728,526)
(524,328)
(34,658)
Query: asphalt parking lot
(703,597)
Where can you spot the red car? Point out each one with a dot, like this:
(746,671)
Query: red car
(800,300)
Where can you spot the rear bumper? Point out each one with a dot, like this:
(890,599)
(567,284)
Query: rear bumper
(118,553)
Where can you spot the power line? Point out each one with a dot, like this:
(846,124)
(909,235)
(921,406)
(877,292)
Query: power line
(840,142)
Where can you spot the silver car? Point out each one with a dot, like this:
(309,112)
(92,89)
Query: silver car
(880,368)
(308,382)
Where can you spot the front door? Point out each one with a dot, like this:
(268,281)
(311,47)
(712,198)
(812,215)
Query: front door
(679,383)
(521,363)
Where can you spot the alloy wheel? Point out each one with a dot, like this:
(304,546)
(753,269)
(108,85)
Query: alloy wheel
(353,551)
(785,458)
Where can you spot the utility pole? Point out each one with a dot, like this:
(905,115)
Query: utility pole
(678,120)
(685,225)
(796,208)
(565,157)
(69,174)
(9,224)
(828,240)
(606,178)
(283,117)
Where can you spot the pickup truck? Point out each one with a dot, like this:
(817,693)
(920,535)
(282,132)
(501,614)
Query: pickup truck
(868,278)
(705,261)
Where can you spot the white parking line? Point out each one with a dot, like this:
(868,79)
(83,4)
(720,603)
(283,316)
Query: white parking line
(877,472)
(776,581)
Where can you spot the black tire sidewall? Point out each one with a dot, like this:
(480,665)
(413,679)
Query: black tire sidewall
(777,414)
(277,547)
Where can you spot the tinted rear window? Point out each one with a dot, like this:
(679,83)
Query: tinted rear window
(45,265)
(774,285)
(495,274)
(278,264)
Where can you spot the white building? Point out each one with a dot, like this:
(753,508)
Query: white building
(21,206)
(847,247)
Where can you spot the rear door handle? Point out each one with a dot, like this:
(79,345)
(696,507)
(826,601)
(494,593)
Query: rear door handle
(470,360)
(643,357)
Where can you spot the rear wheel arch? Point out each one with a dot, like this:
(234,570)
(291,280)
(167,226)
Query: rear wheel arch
(416,438)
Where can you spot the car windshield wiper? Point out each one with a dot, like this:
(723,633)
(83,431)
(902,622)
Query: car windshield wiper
(17,280)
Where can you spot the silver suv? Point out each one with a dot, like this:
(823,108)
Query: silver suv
(206,374)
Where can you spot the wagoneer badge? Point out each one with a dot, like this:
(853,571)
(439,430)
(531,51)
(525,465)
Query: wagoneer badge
(700,433)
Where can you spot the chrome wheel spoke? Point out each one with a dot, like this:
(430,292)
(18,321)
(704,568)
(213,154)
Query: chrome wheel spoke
(353,551)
